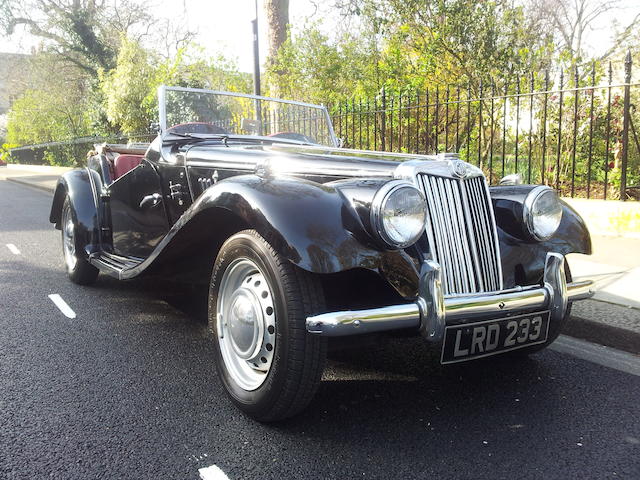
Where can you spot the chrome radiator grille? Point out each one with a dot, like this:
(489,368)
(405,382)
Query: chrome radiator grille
(462,233)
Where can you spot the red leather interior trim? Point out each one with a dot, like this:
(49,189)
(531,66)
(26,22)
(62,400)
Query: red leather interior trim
(124,163)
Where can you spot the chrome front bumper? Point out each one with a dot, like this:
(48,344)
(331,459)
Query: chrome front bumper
(432,311)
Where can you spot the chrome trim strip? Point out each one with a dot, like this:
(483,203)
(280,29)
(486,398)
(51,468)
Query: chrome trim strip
(461,307)
(364,321)
(555,281)
(223,165)
(431,301)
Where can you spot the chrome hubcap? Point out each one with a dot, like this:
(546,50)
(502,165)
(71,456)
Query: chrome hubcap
(68,239)
(246,323)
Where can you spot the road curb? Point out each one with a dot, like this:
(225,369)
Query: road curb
(603,334)
(22,181)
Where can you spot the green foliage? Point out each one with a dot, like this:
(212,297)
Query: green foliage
(129,91)
(84,33)
(126,87)
(47,115)
(405,45)
(311,68)
(65,155)
(5,155)
(68,103)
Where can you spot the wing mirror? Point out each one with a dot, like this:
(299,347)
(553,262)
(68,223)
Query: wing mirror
(513,179)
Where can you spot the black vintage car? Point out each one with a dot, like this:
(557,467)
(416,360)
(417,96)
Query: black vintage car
(300,240)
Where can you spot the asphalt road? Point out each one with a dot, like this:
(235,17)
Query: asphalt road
(128,389)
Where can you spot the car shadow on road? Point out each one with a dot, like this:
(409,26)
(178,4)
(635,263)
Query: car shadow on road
(390,376)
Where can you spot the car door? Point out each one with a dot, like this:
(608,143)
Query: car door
(138,215)
(175,185)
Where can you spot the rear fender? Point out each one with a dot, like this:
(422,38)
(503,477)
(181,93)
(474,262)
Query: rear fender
(79,187)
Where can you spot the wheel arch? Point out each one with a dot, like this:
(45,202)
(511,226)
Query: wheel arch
(310,224)
(77,185)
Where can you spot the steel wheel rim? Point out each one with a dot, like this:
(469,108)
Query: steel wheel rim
(246,322)
(68,239)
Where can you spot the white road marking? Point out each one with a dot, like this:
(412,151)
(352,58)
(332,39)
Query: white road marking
(13,249)
(605,356)
(212,473)
(62,305)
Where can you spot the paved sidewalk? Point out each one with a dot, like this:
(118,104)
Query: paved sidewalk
(42,177)
(615,268)
(612,317)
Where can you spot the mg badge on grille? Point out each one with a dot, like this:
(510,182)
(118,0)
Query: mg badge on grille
(459,168)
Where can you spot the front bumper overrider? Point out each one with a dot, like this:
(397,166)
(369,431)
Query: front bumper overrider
(432,311)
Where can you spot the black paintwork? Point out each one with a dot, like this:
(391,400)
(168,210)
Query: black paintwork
(137,228)
(79,187)
(311,203)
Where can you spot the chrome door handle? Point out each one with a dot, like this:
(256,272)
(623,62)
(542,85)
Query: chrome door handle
(175,190)
(151,200)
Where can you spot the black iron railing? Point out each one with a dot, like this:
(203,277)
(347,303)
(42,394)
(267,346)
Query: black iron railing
(572,133)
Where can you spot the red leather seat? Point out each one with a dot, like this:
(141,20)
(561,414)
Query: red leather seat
(124,163)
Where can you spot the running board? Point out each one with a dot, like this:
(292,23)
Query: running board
(112,264)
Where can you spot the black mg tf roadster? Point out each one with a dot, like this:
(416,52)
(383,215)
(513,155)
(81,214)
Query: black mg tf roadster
(300,240)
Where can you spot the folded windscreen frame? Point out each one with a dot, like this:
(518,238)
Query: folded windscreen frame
(187,111)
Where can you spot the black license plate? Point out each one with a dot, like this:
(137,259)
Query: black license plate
(481,339)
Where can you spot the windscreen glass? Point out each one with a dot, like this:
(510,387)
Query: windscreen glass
(202,112)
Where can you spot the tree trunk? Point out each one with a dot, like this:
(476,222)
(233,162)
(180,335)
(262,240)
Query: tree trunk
(278,18)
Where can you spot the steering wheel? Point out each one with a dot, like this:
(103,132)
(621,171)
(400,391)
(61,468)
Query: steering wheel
(197,127)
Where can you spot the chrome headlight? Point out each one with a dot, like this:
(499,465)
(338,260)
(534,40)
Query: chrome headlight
(542,212)
(399,214)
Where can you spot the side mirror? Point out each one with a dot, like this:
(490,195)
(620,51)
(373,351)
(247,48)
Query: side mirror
(154,127)
(513,179)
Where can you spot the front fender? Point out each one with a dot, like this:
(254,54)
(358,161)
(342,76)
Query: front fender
(320,228)
(523,257)
(309,223)
(77,185)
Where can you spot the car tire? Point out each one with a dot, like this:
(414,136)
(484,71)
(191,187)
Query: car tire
(80,271)
(258,303)
(555,329)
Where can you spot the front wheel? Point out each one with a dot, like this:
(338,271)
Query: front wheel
(258,303)
(80,271)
